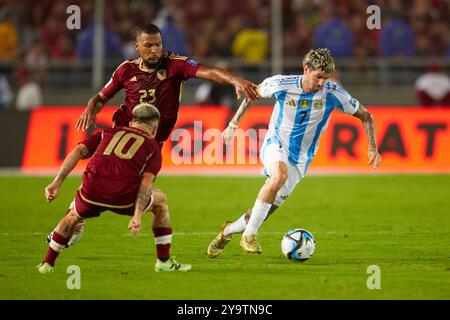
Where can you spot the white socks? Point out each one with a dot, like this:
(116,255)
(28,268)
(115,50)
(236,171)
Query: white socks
(259,213)
(237,226)
(77,233)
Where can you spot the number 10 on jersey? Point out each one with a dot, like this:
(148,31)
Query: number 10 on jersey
(118,142)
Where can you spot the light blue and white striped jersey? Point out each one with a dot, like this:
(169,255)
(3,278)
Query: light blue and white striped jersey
(299,119)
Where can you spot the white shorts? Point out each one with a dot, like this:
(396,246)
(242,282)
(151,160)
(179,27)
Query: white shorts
(274,153)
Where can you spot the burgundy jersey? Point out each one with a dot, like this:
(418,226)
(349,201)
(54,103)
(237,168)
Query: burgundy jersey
(161,88)
(120,156)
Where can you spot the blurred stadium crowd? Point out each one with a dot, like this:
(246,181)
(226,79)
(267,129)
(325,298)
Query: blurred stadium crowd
(34,36)
(36,30)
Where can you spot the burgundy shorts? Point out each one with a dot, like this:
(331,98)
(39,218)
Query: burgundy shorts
(86,208)
(121,117)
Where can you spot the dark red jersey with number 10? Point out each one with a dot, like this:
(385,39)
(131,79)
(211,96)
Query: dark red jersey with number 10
(120,156)
(162,88)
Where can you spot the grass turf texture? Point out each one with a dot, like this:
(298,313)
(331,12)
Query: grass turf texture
(399,223)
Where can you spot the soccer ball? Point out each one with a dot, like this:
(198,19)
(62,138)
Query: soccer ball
(298,245)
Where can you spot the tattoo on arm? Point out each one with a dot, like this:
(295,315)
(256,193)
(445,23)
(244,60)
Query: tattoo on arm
(370,131)
(97,102)
(70,162)
(143,198)
(240,112)
(369,126)
(64,171)
(84,153)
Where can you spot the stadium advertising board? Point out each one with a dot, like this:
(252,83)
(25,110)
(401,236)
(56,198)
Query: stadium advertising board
(410,140)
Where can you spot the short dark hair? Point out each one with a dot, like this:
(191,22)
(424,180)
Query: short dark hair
(149,28)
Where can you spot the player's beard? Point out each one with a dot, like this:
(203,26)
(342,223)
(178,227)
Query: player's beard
(151,65)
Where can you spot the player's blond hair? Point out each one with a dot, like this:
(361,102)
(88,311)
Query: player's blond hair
(320,59)
(146,113)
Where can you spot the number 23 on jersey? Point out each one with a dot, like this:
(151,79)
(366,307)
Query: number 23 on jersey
(148,96)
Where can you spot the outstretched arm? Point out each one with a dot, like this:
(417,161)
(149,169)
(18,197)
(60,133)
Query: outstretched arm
(142,201)
(228,133)
(88,117)
(80,152)
(369,127)
(242,87)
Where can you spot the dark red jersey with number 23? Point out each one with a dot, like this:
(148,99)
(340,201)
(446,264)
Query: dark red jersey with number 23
(162,88)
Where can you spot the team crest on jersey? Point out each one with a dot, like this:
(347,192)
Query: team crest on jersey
(161,74)
(304,103)
(318,104)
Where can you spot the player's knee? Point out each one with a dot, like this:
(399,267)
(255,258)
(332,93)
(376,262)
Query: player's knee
(72,219)
(159,199)
(277,181)
(160,207)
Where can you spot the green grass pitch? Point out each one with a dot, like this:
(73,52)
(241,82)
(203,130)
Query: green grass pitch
(400,223)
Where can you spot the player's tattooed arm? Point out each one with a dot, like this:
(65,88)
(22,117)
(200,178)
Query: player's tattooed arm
(97,102)
(245,104)
(84,153)
(80,152)
(142,201)
(369,127)
(229,132)
(368,124)
(144,193)
(88,117)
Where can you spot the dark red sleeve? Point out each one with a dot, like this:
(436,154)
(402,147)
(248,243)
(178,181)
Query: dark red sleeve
(154,163)
(114,84)
(92,142)
(188,68)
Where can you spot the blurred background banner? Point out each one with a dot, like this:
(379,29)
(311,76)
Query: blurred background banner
(410,140)
(394,57)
